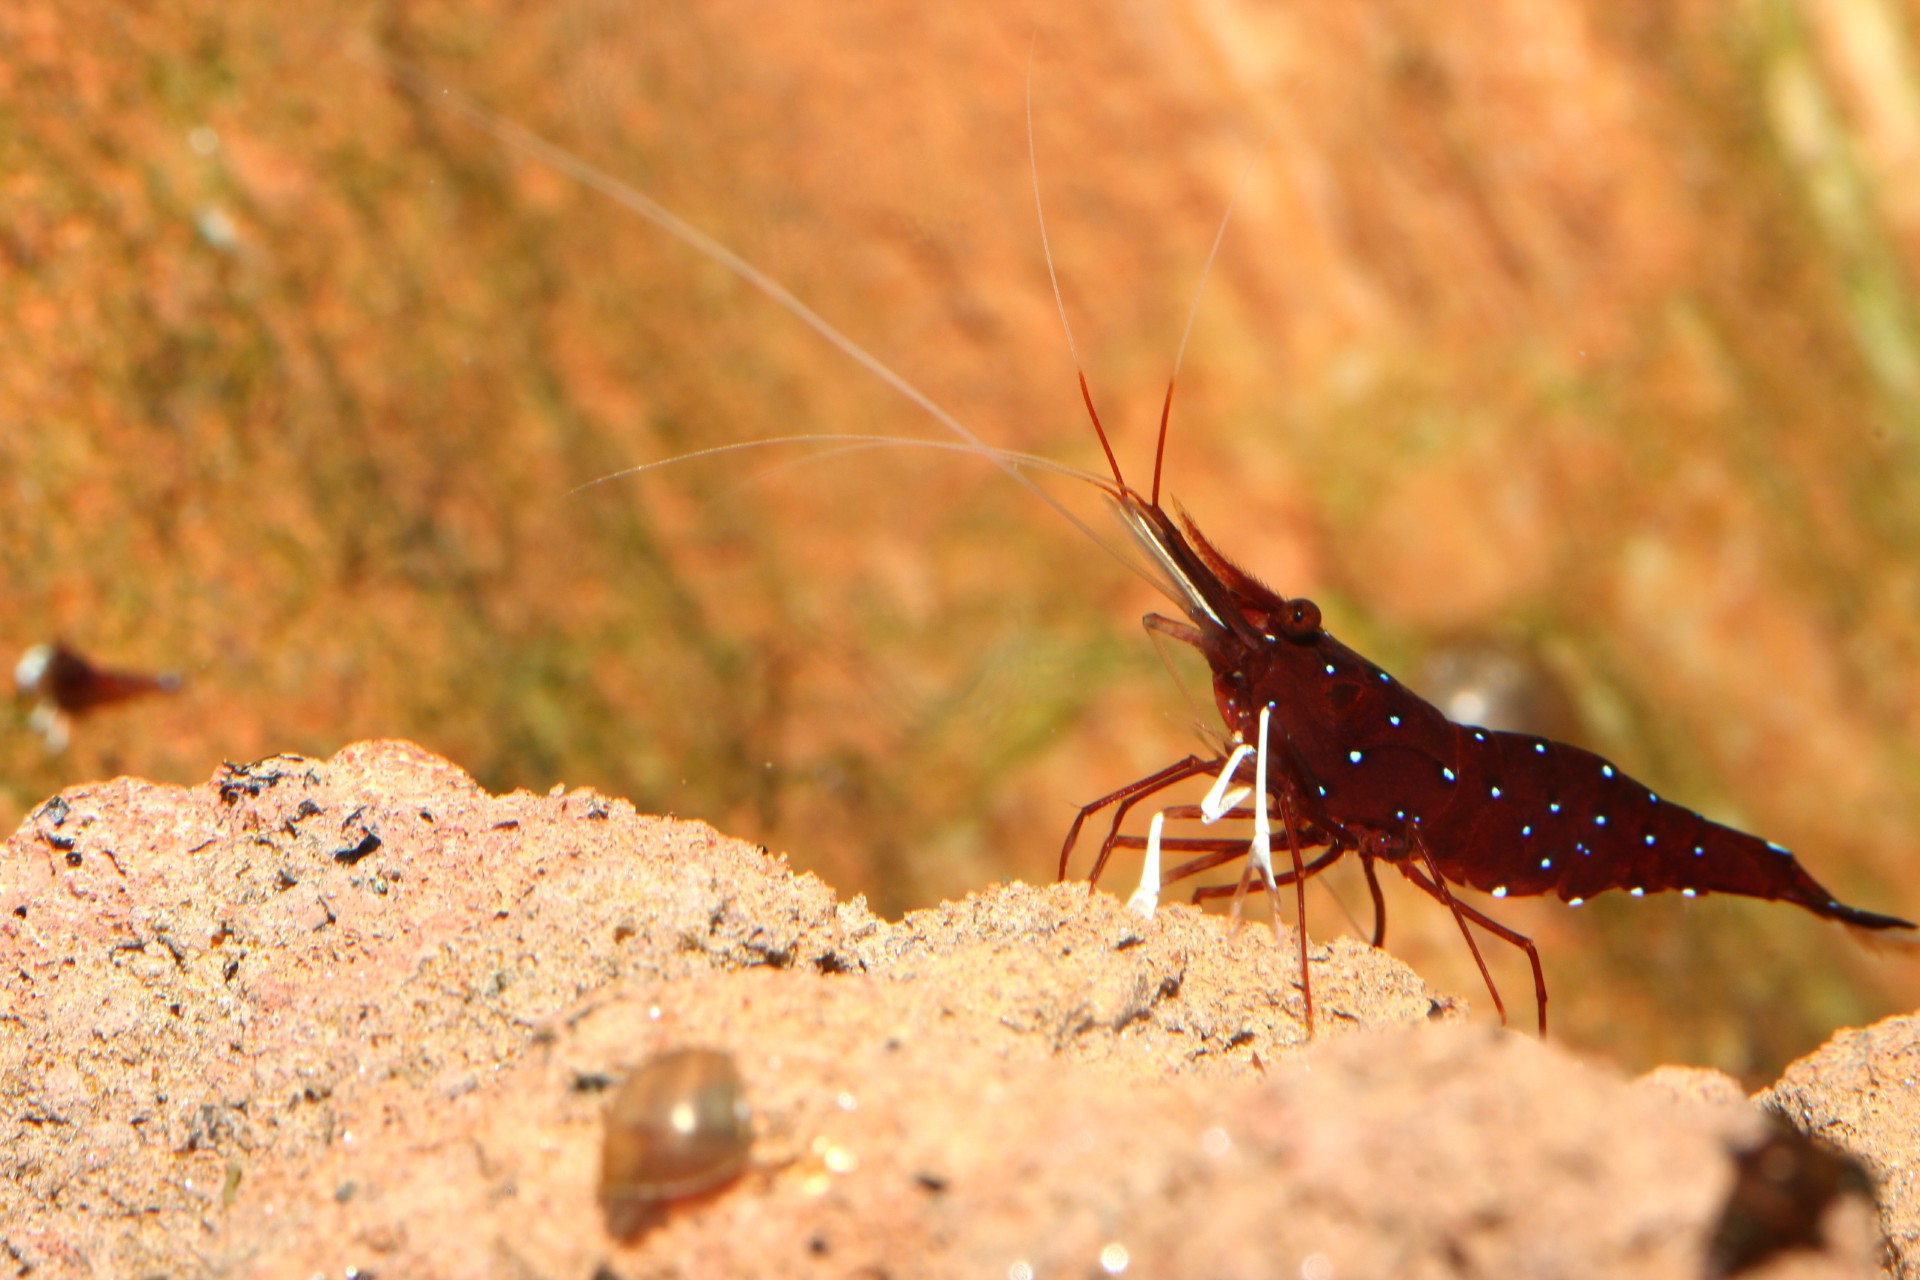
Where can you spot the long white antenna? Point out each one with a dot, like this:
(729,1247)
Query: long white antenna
(557,158)
(1053,277)
(838,443)
(1193,312)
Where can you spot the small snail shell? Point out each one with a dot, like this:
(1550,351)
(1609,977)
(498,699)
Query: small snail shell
(678,1127)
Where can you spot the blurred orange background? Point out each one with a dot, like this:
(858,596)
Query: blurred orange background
(1581,329)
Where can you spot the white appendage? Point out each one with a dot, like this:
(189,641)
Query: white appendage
(1260,852)
(1218,801)
(52,724)
(1147,897)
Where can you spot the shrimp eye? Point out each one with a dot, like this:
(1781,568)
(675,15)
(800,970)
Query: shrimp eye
(1300,618)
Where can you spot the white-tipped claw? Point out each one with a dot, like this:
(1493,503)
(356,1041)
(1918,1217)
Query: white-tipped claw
(1260,852)
(1217,801)
(1146,898)
(52,724)
(1228,803)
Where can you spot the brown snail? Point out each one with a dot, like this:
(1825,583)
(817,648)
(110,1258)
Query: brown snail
(678,1127)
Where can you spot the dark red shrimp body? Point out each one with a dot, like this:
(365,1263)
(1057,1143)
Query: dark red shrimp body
(1368,766)
(1354,761)
(75,684)
(65,684)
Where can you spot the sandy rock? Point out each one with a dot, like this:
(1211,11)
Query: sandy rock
(1860,1092)
(1701,1084)
(357,1016)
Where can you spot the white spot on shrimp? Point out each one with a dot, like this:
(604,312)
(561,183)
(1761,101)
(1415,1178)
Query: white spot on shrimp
(1353,757)
(1574,902)
(1649,841)
(1500,892)
(1553,806)
(1446,773)
(1777,849)
(1494,792)
(1323,790)
(1385,678)
(1689,893)
(1546,864)
(1606,771)
(1478,736)
(1329,668)
(1637,892)
(1540,748)
(1527,830)
(1599,819)
(1394,721)
(1652,798)
(1400,814)
(1698,852)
